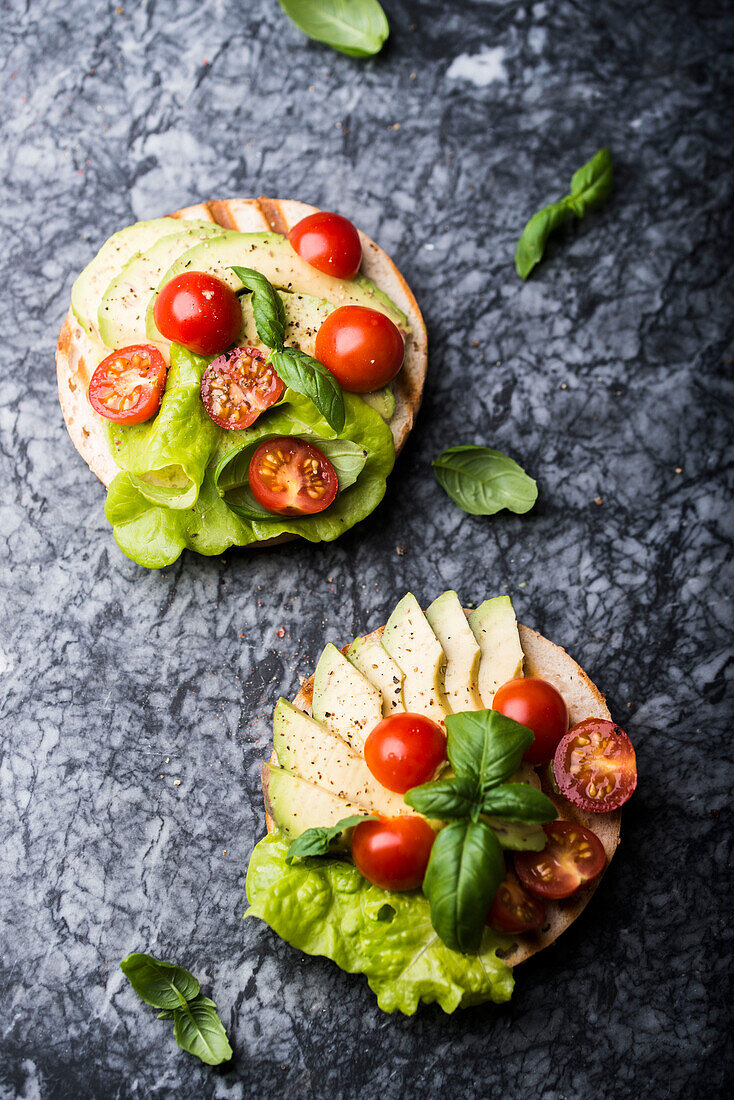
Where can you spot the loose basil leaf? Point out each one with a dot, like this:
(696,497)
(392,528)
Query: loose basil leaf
(357,28)
(485,746)
(159,984)
(445,798)
(307,376)
(531,246)
(483,481)
(465,868)
(166,1014)
(198,1030)
(591,186)
(267,306)
(519,802)
(317,841)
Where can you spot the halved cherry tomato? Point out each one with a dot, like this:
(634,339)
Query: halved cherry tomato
(198,311)
(514,909)
(595,766)
(393,852)
(237,386)
(328,242)
(128,385)
(539,706)
(405,750)
(361,347)
(572,856)
(291,477)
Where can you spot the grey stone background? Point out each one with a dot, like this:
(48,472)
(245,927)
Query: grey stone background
(136,704)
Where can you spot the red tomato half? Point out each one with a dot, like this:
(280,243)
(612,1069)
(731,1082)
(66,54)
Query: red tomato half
(361,347)
(393,852)
(128,385)
(595,766)
(329,243)
(198,311)
(572,856)
(405,750)
(514,909)
(291,477)
(238,386)
(539,706)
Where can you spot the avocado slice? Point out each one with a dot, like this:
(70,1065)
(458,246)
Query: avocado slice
(308,749)
(382,401)
(377,666)
(296,805)
(275,258)
(90,285)
(414,647)
(495,628)
(461,681)
(344,700)
(121,314)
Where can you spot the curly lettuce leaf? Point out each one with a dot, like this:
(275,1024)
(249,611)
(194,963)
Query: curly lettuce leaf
(153,532)
(326,907)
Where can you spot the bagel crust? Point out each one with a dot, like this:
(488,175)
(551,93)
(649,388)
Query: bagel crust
(547,661)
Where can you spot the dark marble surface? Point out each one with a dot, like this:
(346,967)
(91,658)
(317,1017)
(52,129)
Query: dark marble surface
(136,705)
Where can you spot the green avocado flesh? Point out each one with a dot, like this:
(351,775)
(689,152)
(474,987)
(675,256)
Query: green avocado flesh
(319,778)
(180,486)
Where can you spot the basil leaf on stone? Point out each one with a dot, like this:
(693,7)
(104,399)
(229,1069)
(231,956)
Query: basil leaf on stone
(357,28)
(531,246)
(591,185)
(483,481)
(160,984)
(198,1030)
(519,802)
(445,798)
(486,746)
(305,375)
(317,841)
(267,306)
(465,868)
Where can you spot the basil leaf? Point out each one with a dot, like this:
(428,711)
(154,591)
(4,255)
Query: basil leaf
(317,841)
(159,984)
(485,745)
(465,868)
(519,802)
(531,246)
(357,28)
(307,376)
(483,481)
(445,798)
(267,306)
(591,186)
(198,1030)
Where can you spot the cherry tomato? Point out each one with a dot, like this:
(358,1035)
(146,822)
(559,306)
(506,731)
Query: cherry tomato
(539,706)
(393,852)
(514,909)
(329,243)
(198,311)
(572,856)
(291,477)
(238,386)
(595,766)
(405,750)
(361,347)
(128,385)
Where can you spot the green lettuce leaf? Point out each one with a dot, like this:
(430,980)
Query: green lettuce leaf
(153,532)
(328,908)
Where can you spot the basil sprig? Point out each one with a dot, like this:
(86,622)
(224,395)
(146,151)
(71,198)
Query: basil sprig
(466,865)
(358,28)
(591,186)
(483,481)
(318,840)
(173,989)
(299,371)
